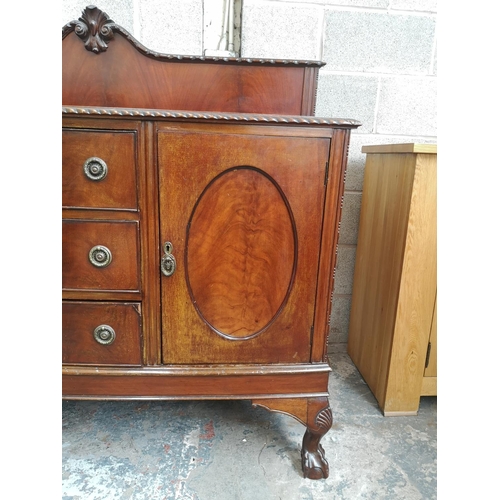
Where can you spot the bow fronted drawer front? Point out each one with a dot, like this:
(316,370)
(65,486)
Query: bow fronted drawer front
(106,333)
(100,255)
(99,169)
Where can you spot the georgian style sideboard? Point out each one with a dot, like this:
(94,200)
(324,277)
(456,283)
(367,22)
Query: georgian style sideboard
(199,234)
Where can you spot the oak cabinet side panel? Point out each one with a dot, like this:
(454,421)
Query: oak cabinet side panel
(379,257)
(417,292)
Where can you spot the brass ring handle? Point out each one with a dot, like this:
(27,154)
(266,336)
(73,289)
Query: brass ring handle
(168,262)
(95,169)
(104,334)
(100,256)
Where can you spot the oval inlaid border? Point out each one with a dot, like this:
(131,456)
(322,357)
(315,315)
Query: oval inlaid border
(295,253)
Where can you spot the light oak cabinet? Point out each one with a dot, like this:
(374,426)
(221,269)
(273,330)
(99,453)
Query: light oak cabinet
(198,246)
(393,321)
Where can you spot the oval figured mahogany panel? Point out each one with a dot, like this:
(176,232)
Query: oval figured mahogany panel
(241,253)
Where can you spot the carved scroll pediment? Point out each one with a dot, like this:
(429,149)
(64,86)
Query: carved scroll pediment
(95,28)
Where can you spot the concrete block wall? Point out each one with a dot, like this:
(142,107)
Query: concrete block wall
(381,69)
(188,27)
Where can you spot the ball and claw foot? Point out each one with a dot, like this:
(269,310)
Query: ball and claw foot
(314,463)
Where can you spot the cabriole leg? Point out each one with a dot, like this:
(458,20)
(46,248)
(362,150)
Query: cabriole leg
(316,415)
(319,421)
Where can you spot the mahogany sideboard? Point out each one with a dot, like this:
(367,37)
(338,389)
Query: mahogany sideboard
(198,246)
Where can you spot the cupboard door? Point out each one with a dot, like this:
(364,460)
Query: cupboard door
(242,216)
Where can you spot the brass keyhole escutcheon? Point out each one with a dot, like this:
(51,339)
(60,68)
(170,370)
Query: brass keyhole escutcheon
(168,262)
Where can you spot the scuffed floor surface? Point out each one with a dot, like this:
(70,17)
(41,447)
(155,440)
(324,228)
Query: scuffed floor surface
(228,450)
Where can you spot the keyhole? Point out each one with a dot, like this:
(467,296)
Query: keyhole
(168,248)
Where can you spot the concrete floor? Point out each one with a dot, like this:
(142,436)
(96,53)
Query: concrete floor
(228,450)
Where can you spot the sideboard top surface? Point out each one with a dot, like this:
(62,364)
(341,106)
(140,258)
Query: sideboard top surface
(401,148)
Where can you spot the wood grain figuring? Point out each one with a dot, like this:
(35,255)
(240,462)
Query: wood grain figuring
(123,77)
(241,253)
(79,320)
(297,166)
(121,238)
(417,292)
(379,254)
(118,189)
(395,276)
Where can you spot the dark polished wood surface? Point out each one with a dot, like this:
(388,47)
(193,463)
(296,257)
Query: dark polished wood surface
(253,253)
(80,319)
(118,189)
(120,238)
(138,77)
(238,276)
(197,382)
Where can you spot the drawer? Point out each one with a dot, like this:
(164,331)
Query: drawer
(99,169)
(100,255)
(101,333)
